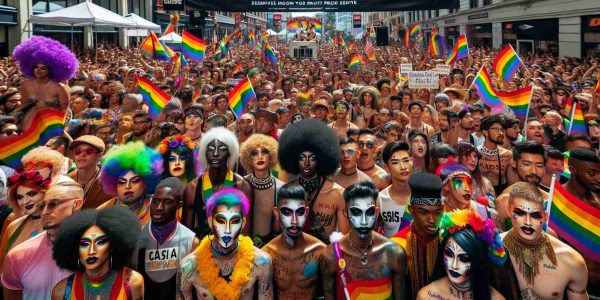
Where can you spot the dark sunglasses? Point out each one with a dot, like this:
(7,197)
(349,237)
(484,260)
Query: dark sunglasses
(11,132)
(88,151)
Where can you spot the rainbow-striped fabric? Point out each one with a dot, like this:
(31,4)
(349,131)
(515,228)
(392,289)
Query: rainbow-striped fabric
(270,54)
(415,31)
(46,125)
(460,50)
(380,289)
(355,62)
(153,97)
(507,63)
(180,61)
(240,96)
(577,121)
(436,45)
(152,48)
(517,100)
(193,47)
(575,221)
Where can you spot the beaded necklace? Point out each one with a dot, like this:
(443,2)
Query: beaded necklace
(111,286)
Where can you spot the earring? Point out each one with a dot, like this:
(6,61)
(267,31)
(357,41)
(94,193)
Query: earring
(111,265)
(211,234)
(78,265)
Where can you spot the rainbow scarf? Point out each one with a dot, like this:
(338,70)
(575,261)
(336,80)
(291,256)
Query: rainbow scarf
(460,50)
(401,237)
(207,188)
(151,48)
(355,62)
(507,63)
(575,221)
(577,121)
(192,46)
(46,125)
(240,96)
(153,97)
(517,100)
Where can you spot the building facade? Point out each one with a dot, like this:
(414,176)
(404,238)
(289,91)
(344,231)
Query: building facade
(563,28)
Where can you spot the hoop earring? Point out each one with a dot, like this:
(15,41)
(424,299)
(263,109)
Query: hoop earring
(111,265)
(78,265)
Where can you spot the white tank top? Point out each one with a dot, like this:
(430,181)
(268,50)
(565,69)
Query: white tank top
(391,213)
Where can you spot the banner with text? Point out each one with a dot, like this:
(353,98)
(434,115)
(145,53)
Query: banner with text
(423,80)
(319,5)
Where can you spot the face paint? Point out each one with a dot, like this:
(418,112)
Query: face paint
(227,225)
(130,187)
(307,163)
(528,219)
(177,164)
(461,190)
(292,216)
(362,215)
(94,248)
(457,263)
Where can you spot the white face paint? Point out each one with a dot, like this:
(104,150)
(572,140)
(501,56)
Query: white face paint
(227,225)
(457,263)
(362,214)
(292,216)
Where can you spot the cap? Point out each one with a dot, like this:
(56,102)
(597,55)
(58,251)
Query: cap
(263,113)
(425,189)
(321,103)
(94,141)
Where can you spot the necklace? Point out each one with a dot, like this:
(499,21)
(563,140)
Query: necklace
(209,270)
(348,174)
(488,152)
(460,293)
(310,184)
(369,168)
(529,255)
(364,260)
(262,183)
(108,287)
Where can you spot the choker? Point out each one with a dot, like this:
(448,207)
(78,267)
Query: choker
(350,174)
(262,183)
(488,152)
(460,293)
(162,232)
(310,184)
(98,286)
(369,168)
(529,255)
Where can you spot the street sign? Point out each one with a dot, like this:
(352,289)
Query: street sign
(176,5)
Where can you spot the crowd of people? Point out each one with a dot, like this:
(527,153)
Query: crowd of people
(333,183)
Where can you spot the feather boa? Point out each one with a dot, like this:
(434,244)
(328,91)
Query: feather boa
(209,271)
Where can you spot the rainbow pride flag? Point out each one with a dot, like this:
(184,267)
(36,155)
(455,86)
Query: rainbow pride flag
(577,121)
(597,88)
(355,61)
(343,43)
(406,39)
(566,173)
(153,97)
(460,50)
(152,48)
(415,30)
(192,46)
(372,31)
(401,238)
(436,45)
(517,100)
(270,53)
(371,289)
(180,61)
(507,63)
(240,96)
(46,125)
(575,221)
(352,46)
(172,25)
(169,51)
(237,68)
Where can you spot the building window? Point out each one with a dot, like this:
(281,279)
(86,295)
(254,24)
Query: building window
(487,2)
(473,3)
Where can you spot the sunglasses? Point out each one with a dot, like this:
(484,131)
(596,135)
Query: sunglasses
(368,145)
(88,151)
(11,132)
(348,151)
(52,204)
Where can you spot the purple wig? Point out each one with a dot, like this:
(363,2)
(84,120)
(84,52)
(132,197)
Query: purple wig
(61,62)
(228,197)
(134,156)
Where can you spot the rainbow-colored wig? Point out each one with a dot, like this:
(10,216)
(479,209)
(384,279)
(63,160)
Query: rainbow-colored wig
(452,222)
(228,197)
(134,156)
(61,62)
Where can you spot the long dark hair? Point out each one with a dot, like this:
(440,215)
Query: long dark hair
(481,265)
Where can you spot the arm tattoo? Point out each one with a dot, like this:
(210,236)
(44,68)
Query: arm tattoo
(266,288)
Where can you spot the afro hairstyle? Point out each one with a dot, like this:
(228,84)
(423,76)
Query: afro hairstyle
(61,62)
(134,156)
(226,137)
(118,223)
(254,142)
(314,136)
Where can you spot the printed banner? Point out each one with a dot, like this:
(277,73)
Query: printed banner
(320,5)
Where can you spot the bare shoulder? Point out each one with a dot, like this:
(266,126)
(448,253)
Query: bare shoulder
(135,279)
(326,258)
(567,255)
(313,243)
(188,263)
(504,152)
(58,291)
(431,291)
(261,258)
(496,295)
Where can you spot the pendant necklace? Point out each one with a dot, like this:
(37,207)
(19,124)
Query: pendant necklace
(364,260)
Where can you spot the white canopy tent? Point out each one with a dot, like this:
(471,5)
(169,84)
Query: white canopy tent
(82,14)
(142,26)
(171,38)
(271,32)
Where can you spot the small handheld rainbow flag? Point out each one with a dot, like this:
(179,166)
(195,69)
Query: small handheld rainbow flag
(239,97)
(46,125)
(151,48)
(437,46)
(566,173)
(237,68)
(460,50)
(180,61)
(153,97)
(343,43)
(355,62)
(270,54)
(406,39)
(507,63)
(517,100)
(577,121)
(352,46)
(415,31)
(192,46)
(575,221)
